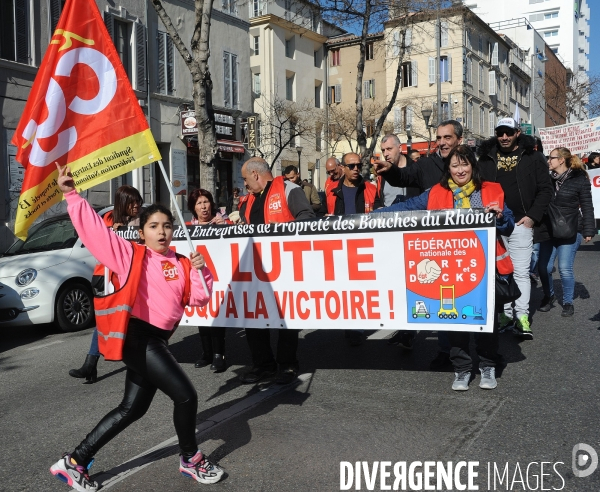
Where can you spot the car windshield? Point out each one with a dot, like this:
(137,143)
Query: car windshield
(51,235)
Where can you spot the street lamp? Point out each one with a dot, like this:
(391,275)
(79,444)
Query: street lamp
(542,59)
(299,149)
(426,113)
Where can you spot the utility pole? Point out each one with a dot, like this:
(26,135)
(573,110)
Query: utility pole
(438,42)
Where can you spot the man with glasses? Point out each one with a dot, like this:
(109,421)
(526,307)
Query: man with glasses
(523,174)
(334,171)
(354,195)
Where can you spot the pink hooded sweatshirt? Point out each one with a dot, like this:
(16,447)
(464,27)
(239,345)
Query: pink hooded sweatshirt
(162,282)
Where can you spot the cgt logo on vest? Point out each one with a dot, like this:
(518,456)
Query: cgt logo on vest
(169,271)
(275,203)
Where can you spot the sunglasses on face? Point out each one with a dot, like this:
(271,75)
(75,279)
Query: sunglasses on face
(352,167)
(509,132)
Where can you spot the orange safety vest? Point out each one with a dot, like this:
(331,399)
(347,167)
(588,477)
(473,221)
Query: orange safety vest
(369,196)
(114,310)
(440,198)
(330,198)
(276,207)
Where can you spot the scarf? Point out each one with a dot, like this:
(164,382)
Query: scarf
(559,179)
(461,194)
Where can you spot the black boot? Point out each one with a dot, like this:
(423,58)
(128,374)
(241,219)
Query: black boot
(218,363)
(207,354)
(88,370)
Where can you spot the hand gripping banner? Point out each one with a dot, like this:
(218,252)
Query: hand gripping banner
(82,112)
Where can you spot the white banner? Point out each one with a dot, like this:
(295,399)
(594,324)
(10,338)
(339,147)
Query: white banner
(595,179)
(579,138)
(410,270)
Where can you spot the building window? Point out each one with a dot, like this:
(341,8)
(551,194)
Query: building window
(318,133)
(407,117)
(369,89)
(334,93)
(469,71)
(444,34)
(121,40)
(292,133)
(256,45)
(335,58)
(492,121)
(289,88)
(14,37)
(409,74)
(130,42)
(256,8)
(166,70)
(56,8)
(481,121)
(445,110)
(315,20)
(481,82)
(229,7)
(230,80)
(470,115)
(317,58)
(318,95)
(289,47)
(551,15)
(369,51)
(256,84)
(370,128)
(446,68)
(551,34)
(480,45)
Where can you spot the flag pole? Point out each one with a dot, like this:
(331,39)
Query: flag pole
(180,217)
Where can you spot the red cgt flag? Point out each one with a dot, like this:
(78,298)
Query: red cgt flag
(82,112)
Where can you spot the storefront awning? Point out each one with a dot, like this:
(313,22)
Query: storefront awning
(233,146)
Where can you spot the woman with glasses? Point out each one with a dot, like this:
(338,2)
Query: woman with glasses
(573,198)
(462,186)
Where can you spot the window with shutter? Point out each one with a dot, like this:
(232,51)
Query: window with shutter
(481,83)
(495,55)
(161,85)
(140,58)
(369,89)
(338,93)
(56,7)
(444,34)
(492,82)
(256,83)
(469,71)
(397,120)
(414,73)
(226,80)
(234,81)
(408,39)
(396,43)
(14,31)
(431,70)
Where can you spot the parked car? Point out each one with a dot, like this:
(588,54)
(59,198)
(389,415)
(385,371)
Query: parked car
(46,278)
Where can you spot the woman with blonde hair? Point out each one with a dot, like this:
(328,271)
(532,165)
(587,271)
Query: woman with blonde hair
(573,212)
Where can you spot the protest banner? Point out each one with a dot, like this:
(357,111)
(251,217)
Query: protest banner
(580,137)
(426,270)
(81,111)
(594,175)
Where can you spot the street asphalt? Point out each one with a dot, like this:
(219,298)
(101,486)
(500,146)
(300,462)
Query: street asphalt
(372,403)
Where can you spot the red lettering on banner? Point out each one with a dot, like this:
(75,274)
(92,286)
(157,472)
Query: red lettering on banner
(237,275)
(259,265)
(372,304)
(189,310)
(231,310)
(302,313)
(247,314)
(328,247)
(261,308)
(354,259)
(345,304)
(596,181)
(356,302)
(332,313)
(317,296)
(291,304)
(280,305)
(208,261)
(297,248)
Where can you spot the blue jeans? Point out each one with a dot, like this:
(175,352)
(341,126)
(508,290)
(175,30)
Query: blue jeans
(94,345)
(565,250)
(535,255)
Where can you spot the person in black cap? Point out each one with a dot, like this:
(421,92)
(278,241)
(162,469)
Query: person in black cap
(523,173)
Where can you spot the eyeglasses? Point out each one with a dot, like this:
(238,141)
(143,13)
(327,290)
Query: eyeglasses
(509,132)
(352,166)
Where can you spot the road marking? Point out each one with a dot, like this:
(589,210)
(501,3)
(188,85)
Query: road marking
(168,447)
(380,334)
(44,345)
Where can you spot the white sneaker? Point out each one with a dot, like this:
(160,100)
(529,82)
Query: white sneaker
(200,469)
(488,378)
(75,476)
(461,381)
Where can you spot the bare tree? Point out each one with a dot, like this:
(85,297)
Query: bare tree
(197,63)
(284,124)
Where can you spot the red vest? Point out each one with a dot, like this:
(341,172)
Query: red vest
(330,198)
(276,207)
(440,198)
(369,196)
(114,310)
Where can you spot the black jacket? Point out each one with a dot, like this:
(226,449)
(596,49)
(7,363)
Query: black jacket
(340,208)
(574,194)
(423,174)
(533,179)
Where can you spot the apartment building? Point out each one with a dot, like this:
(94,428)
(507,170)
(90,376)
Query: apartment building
(476,71)
(563,24)
(161,82)
(287,64)
(343,57)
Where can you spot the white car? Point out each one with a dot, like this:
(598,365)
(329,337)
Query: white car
(46,278)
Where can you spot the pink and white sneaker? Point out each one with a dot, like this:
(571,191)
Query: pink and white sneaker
(200,469)
(75,476)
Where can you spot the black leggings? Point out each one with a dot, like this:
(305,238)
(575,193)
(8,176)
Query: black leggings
(150,366)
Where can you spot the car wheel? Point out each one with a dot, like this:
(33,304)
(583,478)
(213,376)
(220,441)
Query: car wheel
(74,307)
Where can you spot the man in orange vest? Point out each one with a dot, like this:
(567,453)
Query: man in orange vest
(271,200)
(353,195)
(334,171)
